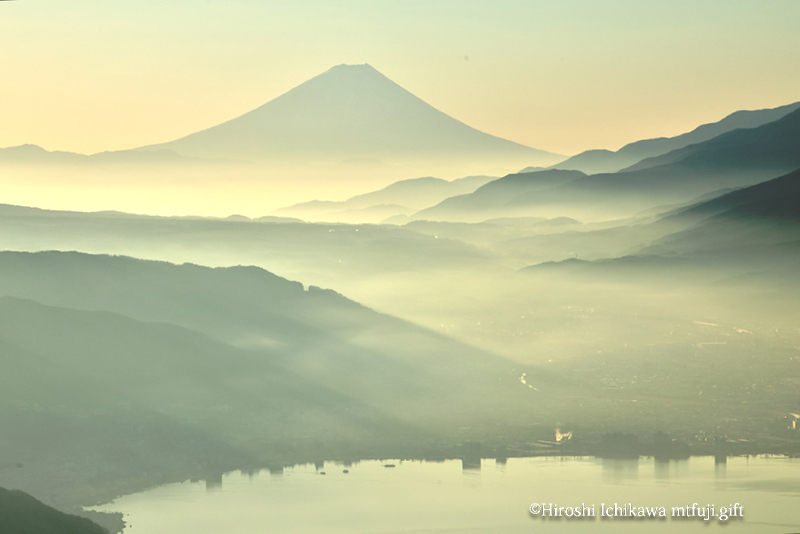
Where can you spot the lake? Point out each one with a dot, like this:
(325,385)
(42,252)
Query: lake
(442,497)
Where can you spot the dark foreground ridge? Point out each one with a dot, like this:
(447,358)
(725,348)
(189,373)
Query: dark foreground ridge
(22,514)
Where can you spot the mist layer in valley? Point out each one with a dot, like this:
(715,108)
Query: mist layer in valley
(340,133)
(644,304)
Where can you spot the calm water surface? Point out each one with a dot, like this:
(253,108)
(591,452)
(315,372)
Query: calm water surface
(430,497)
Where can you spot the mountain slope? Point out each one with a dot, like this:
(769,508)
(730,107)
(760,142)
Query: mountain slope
(406,196)
(21,513)
(87,361)
(330,255)
(492,199)
(94,404)
(775,145)
(349,112)
(761,215)
(315,334)
(752,232)
(739,158)
(606,161)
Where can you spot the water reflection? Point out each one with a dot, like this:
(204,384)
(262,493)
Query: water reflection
(501,455)
(661,469)
(720,466)
(471,473)
(471,464)
(665,470)
(617,471)
(214,482)
(250,473)
(276,471)
(471,456)
(500,464)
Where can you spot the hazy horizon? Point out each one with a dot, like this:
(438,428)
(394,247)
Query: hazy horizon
(348,131)
(216,62)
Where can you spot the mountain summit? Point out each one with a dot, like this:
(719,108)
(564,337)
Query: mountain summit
(352,112)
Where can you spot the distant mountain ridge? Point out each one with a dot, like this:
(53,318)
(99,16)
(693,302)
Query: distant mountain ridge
(775,144)
(26,154)
(765,214)
(753,232)
(400,198)
(606,161)
(496,198)
(739,158)
(777,199)
(350,112)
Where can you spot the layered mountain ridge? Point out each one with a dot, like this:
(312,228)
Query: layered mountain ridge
(607,161)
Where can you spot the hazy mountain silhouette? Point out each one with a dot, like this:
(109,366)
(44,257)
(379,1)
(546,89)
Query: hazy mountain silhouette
(606,161)
(494,198)
(21,513)
(350,112)
(777,199)
(94,404)
(36,155)
(735,159)
(492,235)
(775,145)
(86,360)
(141,373)
(372,214)
(403,197)
(750,231)
(320,254)
(316,334)
(766,214)
(599,240)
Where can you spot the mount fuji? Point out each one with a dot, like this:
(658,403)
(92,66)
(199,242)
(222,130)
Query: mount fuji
(352,114)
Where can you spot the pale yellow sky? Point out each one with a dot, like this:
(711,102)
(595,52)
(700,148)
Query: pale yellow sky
(94,75)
